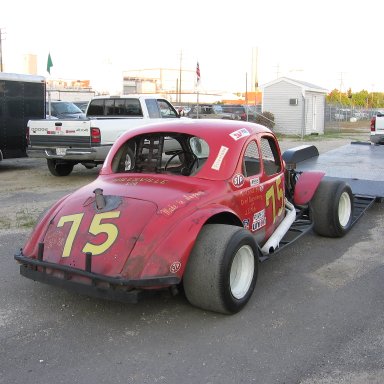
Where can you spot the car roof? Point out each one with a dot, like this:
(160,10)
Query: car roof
(225,138)
(129,96)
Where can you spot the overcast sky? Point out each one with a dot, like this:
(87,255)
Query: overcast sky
(331,44)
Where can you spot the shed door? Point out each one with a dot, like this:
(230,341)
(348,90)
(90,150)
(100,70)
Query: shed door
(314,113)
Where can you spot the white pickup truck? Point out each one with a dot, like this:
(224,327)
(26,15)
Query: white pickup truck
(377,128)
(67,142)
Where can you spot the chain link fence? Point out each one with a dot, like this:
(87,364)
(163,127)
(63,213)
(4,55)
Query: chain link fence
(336,115)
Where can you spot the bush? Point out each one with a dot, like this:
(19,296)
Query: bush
(266,118)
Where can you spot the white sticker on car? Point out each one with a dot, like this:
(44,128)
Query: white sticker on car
(220,157)
(239,134)
(255,181)
(259,220)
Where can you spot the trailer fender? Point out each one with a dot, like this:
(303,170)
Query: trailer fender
(306,186)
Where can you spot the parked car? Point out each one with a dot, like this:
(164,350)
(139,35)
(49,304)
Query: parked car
(82,105)
(211,111)
(63,110)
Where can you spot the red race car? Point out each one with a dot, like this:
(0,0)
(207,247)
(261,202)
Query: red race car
(195,203)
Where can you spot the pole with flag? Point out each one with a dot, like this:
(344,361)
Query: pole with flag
(49,63)
(49,66)
(197,88)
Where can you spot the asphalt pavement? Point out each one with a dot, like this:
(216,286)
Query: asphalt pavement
(316,317)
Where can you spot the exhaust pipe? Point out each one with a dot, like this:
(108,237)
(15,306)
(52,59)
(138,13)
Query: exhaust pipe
(274,241)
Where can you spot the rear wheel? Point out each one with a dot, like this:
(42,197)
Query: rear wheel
(332,208)
(59,168)
(222,269)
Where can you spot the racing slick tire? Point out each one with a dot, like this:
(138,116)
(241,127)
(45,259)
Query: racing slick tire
(59,169)
(332,208)
(222,269)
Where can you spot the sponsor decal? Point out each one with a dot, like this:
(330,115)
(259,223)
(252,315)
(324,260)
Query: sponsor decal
(175,267)
(220,157)
(238,180)
(246,223)
(239,134)
(255,181)
(137,180)
(176,204)
(258,220)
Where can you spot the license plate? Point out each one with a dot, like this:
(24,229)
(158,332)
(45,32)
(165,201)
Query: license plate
(61,151)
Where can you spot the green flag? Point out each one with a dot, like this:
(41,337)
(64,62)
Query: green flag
(49,63)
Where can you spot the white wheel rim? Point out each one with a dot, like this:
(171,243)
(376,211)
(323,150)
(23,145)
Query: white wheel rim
(345,209)
(242,270)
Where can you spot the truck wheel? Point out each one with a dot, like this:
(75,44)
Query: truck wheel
(332,208)
(222,269)
(59,169)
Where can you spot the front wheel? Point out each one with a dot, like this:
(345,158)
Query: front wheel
(332,208)
(222,269)
(59,168)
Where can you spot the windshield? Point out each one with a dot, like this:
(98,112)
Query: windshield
(63,108)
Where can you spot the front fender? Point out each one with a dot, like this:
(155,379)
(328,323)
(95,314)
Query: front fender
(170,256)
(306,186)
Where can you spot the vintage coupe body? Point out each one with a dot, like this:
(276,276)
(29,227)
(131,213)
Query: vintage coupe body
(192,203)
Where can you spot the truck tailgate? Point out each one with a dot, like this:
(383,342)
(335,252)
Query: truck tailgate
(58,133)
(380,123)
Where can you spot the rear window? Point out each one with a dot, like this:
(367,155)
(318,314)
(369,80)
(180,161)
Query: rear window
(159,152)
(115,107)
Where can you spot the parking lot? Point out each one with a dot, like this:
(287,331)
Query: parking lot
(315,316)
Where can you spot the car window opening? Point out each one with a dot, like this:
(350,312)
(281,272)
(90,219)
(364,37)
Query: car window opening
(178,154)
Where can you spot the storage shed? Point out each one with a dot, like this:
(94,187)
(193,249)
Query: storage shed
(298,106)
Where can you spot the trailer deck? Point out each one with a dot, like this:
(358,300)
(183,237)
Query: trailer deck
(359,164)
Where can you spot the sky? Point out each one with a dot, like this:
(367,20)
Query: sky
(332,44)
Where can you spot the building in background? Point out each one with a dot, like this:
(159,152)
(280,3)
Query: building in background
(70,90)
(298,106)
(30,64)
(177,85)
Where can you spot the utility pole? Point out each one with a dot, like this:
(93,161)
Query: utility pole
(1,50)
(277,70)
(255,80)
(181,59)
(341,85)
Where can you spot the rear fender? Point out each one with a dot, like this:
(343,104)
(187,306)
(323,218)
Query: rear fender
(306,186)
(171,255)
(30,248)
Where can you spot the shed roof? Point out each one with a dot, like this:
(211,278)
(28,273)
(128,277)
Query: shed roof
(302,84)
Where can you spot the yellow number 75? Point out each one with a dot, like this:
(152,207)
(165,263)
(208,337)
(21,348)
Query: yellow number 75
(95,228)
(270,196)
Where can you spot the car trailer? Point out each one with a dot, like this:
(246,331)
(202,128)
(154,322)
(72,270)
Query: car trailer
(360,164)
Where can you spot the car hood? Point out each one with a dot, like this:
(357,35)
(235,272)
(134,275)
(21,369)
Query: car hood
(108,218)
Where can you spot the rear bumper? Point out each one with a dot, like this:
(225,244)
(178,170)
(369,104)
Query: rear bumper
(100,286)
(377,138)
(76,154)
